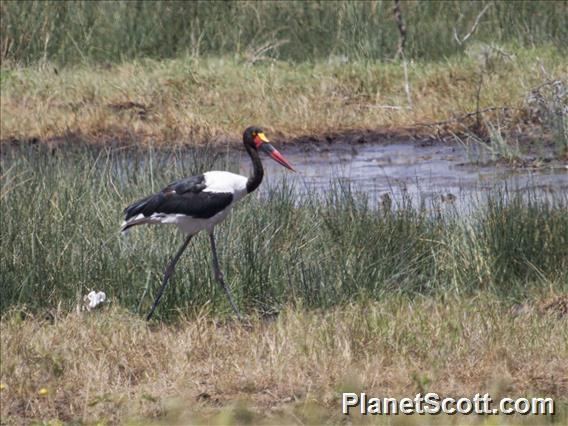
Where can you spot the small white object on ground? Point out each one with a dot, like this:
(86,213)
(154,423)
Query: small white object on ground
(94,299)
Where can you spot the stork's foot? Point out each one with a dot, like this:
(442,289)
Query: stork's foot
(229,296)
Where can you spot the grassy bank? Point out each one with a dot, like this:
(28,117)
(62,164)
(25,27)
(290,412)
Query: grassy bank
(190,101)
(110,367)
(61,213)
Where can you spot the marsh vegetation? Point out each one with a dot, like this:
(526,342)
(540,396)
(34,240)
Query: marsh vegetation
(68,33)
(60,239)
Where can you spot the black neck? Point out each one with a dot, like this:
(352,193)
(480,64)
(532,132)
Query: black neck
(257,171)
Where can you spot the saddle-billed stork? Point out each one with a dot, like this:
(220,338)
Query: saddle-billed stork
(200,202)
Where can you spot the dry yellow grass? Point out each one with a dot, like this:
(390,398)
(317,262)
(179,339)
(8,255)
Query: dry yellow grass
(110,366)
(192,100)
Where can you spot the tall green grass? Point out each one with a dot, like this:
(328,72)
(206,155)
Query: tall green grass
(61,212)
(70,32)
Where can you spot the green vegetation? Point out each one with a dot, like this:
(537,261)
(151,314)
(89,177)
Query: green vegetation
(60,222)
(89,32)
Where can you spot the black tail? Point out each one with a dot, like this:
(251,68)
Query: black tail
(140,206)
(144,207)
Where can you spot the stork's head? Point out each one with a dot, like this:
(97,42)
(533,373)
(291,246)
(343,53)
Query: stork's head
(255,138)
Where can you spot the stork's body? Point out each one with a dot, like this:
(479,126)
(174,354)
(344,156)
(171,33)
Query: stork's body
(193,204)
(200,202)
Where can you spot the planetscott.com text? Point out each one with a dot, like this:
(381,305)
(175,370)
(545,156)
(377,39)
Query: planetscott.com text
(432,403)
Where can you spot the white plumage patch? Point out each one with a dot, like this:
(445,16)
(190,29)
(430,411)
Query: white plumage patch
(187,224)
(226,182)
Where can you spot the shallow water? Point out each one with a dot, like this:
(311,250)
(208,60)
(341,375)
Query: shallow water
(429,174)
(424,173)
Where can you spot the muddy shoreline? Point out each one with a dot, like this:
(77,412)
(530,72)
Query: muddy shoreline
(535,155)
(308,140)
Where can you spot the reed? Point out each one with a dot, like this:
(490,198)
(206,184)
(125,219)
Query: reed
(88,32)
(60,238)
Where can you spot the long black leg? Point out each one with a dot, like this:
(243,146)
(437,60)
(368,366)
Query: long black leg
(167,273)
(219,276)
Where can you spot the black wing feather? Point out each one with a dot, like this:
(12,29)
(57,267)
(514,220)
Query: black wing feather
(190,184)
(185,196)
